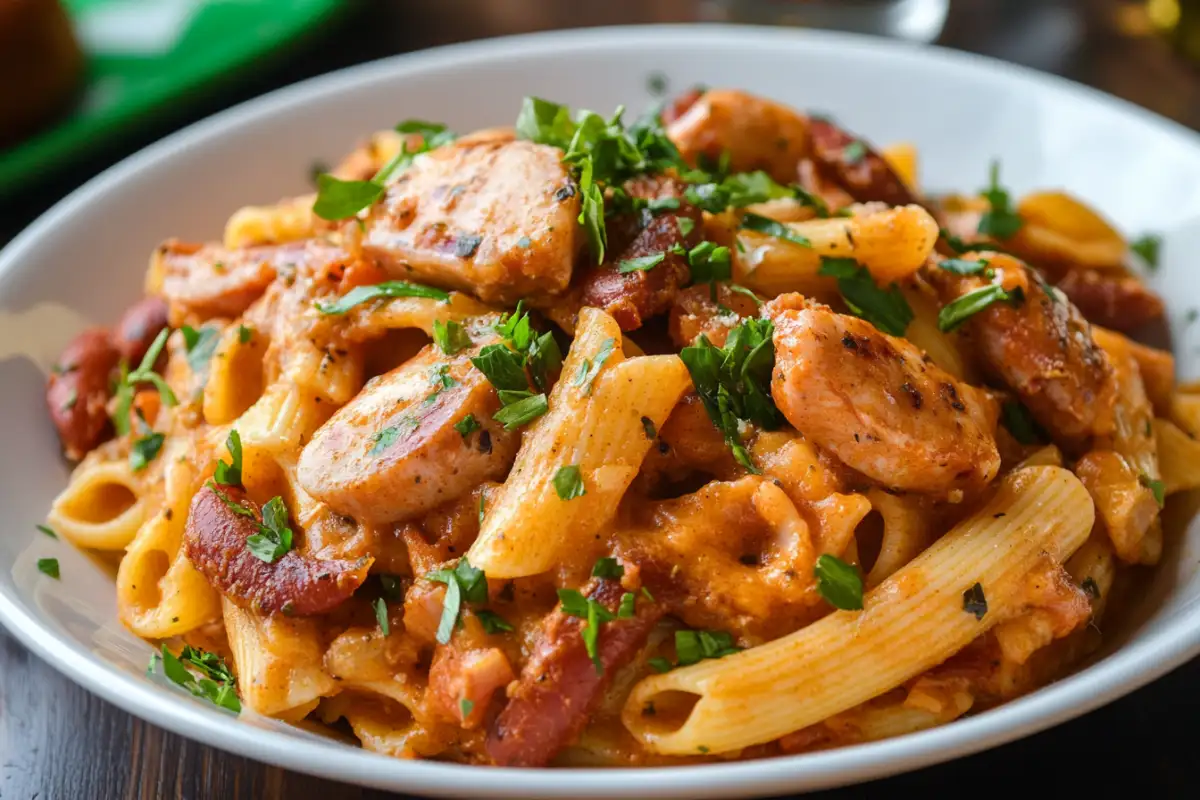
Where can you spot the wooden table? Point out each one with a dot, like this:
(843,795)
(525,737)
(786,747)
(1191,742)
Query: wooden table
(57,741)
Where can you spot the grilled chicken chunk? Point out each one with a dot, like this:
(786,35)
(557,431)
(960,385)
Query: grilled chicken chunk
(489,216)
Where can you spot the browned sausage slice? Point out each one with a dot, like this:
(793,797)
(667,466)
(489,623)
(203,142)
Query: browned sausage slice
(855,166)
(78,391)
(138,327)
(559,686)
(633,297)
(1120,302)
(296,585)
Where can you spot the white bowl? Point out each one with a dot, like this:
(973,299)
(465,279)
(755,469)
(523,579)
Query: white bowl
(83,262)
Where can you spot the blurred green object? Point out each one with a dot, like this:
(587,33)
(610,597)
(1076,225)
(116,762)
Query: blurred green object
(143,55)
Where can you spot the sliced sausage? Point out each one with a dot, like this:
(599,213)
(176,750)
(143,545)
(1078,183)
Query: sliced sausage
(492,217)
(78,390)
(633,297)
(138,328)
(876,403)
(560,686)
(295,585)
(393,452)
(1042,347)
(1120,302)
(855,166)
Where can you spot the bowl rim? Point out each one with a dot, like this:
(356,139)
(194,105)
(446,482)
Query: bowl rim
(1167,646)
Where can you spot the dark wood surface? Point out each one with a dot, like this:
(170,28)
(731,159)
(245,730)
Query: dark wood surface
(57,741)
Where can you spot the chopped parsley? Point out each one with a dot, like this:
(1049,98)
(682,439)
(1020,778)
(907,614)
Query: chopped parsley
(959,310)
(338,199)
(963,266)
(383,439)
(245,334)
(659,664)
(381,615)
(628,606)
(1156,487)
(974,601)
(761,224)
(641,263)
(734,381)
(521,412)
(450,336)
(589,368)
(504,366)
(692,647)
(493,622)
(464,583)
(594,615)
(144,450)
(854,152)
(568,483)
(143,374)
(363,294)
(1148,246)
(467,425)
(465,707)
(608,567)
(686,226)
(886,309)
(1000,220)
(48,566)
(217,684)
(648,427)
(274,537)
(740,190)
(46,529)
(200,345)
(231,474)
(839,583)
(710,263)
(1020,423)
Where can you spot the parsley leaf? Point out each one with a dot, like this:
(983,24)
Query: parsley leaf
(362,294)
(695,646)
(143,374)
(231,474)
(974,601)
(710,263)
(1000,220)
(589,368)
(886,309)
(274,537)
(1020,423)
(568,483)
(648,427)
(381,615)
(465,707)
(734,382)
(245,334)
(854,152)
(463,583)
(641,263)
(839,583)
(382,439)
(628,606)
(339,199)
(761,224)
(493,622)
(450,336)
(217,686)
(502,367)
(144,450)
(48,566)
(659,664)
(1148,247)
(200,345)
(46,529)
(738,191)
(522,411)
(962,266)
(959,310)
(608,567)
(594,613)
(467,425)
(1156,487)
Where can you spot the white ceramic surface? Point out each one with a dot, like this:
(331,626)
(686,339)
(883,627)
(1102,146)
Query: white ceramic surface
(83,262)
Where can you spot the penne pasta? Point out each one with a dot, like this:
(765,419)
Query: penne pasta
(793,682)
(103,507)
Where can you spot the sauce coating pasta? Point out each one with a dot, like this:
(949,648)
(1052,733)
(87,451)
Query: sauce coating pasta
(705,436)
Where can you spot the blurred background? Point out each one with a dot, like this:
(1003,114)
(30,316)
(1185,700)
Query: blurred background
(84,83)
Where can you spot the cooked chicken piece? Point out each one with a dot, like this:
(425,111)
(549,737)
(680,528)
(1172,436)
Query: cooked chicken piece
(493,217)
(1041,346)
(393,452)
(757,133)
(876,403)
(695,312)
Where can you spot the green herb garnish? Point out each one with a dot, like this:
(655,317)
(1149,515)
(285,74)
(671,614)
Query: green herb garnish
(974,601)
(144,450)
(1156,487)
(959,310)
(464,583)
(363,294)
(217,686)
(274,537)
(1148,246)
(886,309)
(608,567)
(839,583)
(568,483)
(450,336)
(1000,220)
(48,566)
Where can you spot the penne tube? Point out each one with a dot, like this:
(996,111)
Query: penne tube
(528,528)
(1178,457)
(103,506)
(910,623)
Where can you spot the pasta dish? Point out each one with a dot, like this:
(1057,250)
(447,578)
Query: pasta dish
(705,436)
